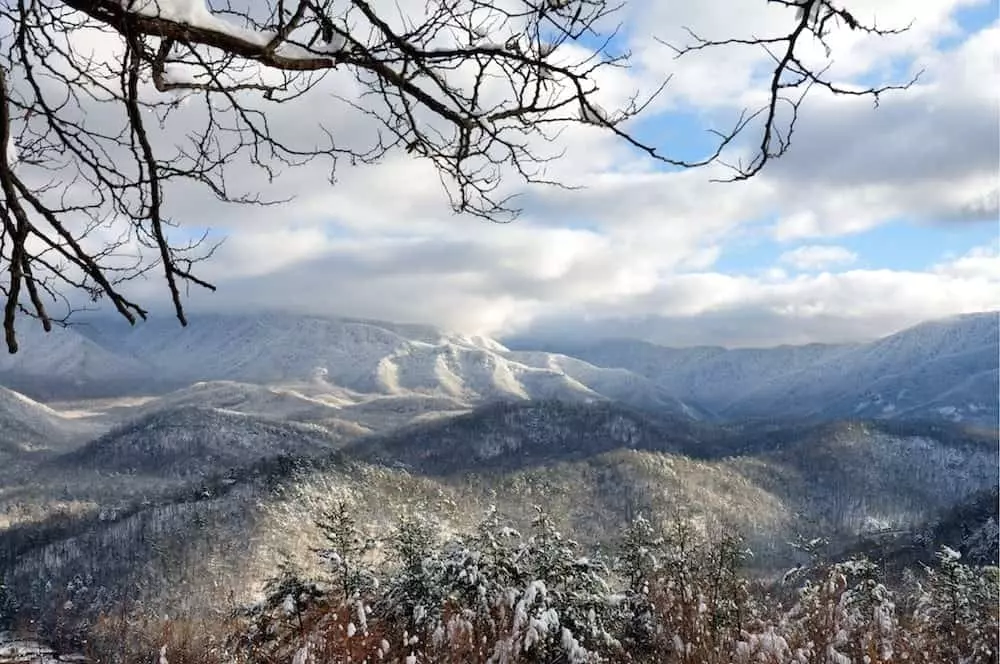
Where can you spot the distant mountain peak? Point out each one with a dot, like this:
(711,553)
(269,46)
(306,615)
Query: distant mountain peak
(942,369)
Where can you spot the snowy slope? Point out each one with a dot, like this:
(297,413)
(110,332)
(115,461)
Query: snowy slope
(64,362)
(324,408)
(275,403)
(955,404)
(710,376)
(943,370)
(26,424)
(256,349)
(863,477)
(948,363)
(614,383)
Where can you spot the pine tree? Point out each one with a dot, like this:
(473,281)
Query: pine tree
(869,614)
(344,552)
(847,615)
(415,592)
(638,564)
(287,596)
(479,574)
(958,611)
(566,602)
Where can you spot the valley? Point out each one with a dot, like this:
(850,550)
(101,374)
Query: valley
(166,471)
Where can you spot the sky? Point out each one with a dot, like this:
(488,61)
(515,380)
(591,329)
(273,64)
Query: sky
(877,219)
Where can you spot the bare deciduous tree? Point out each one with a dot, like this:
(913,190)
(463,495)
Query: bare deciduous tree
(477,87)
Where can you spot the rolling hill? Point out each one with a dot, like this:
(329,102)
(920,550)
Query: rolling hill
(506,436)
(191,441)
(251,489)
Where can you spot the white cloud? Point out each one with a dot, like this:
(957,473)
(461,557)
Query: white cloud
(817,256)
(979,264)
(775,308)
(720,77)
(577,282)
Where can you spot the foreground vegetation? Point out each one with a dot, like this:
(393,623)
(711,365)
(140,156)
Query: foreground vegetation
(498,596)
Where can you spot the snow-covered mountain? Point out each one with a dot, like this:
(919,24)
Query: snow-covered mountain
(249,399)
(940,369)
(945,368)
(710,376)
(64,362)
(309,368)
(332,356)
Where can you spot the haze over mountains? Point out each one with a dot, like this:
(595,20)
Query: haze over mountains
(26,424)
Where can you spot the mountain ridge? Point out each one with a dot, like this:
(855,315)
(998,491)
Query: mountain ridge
(361,357)
(889,377)
(27,425)
(946,369)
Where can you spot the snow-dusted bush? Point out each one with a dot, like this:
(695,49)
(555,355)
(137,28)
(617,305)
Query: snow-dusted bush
(670,595)
(847,615)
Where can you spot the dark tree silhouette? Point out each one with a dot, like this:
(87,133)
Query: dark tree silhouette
(95,154)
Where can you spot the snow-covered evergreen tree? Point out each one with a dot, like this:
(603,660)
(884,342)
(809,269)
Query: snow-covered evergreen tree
(847,615)
(638,564)
(957,611)
(415,593)
(344,551)
(497,596)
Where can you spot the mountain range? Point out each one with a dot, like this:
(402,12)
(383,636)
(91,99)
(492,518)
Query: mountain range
(185,464)
(944,369)
(947,369)
(326,356)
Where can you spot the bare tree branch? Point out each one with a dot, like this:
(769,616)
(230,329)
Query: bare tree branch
(791,79)
(480,88)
